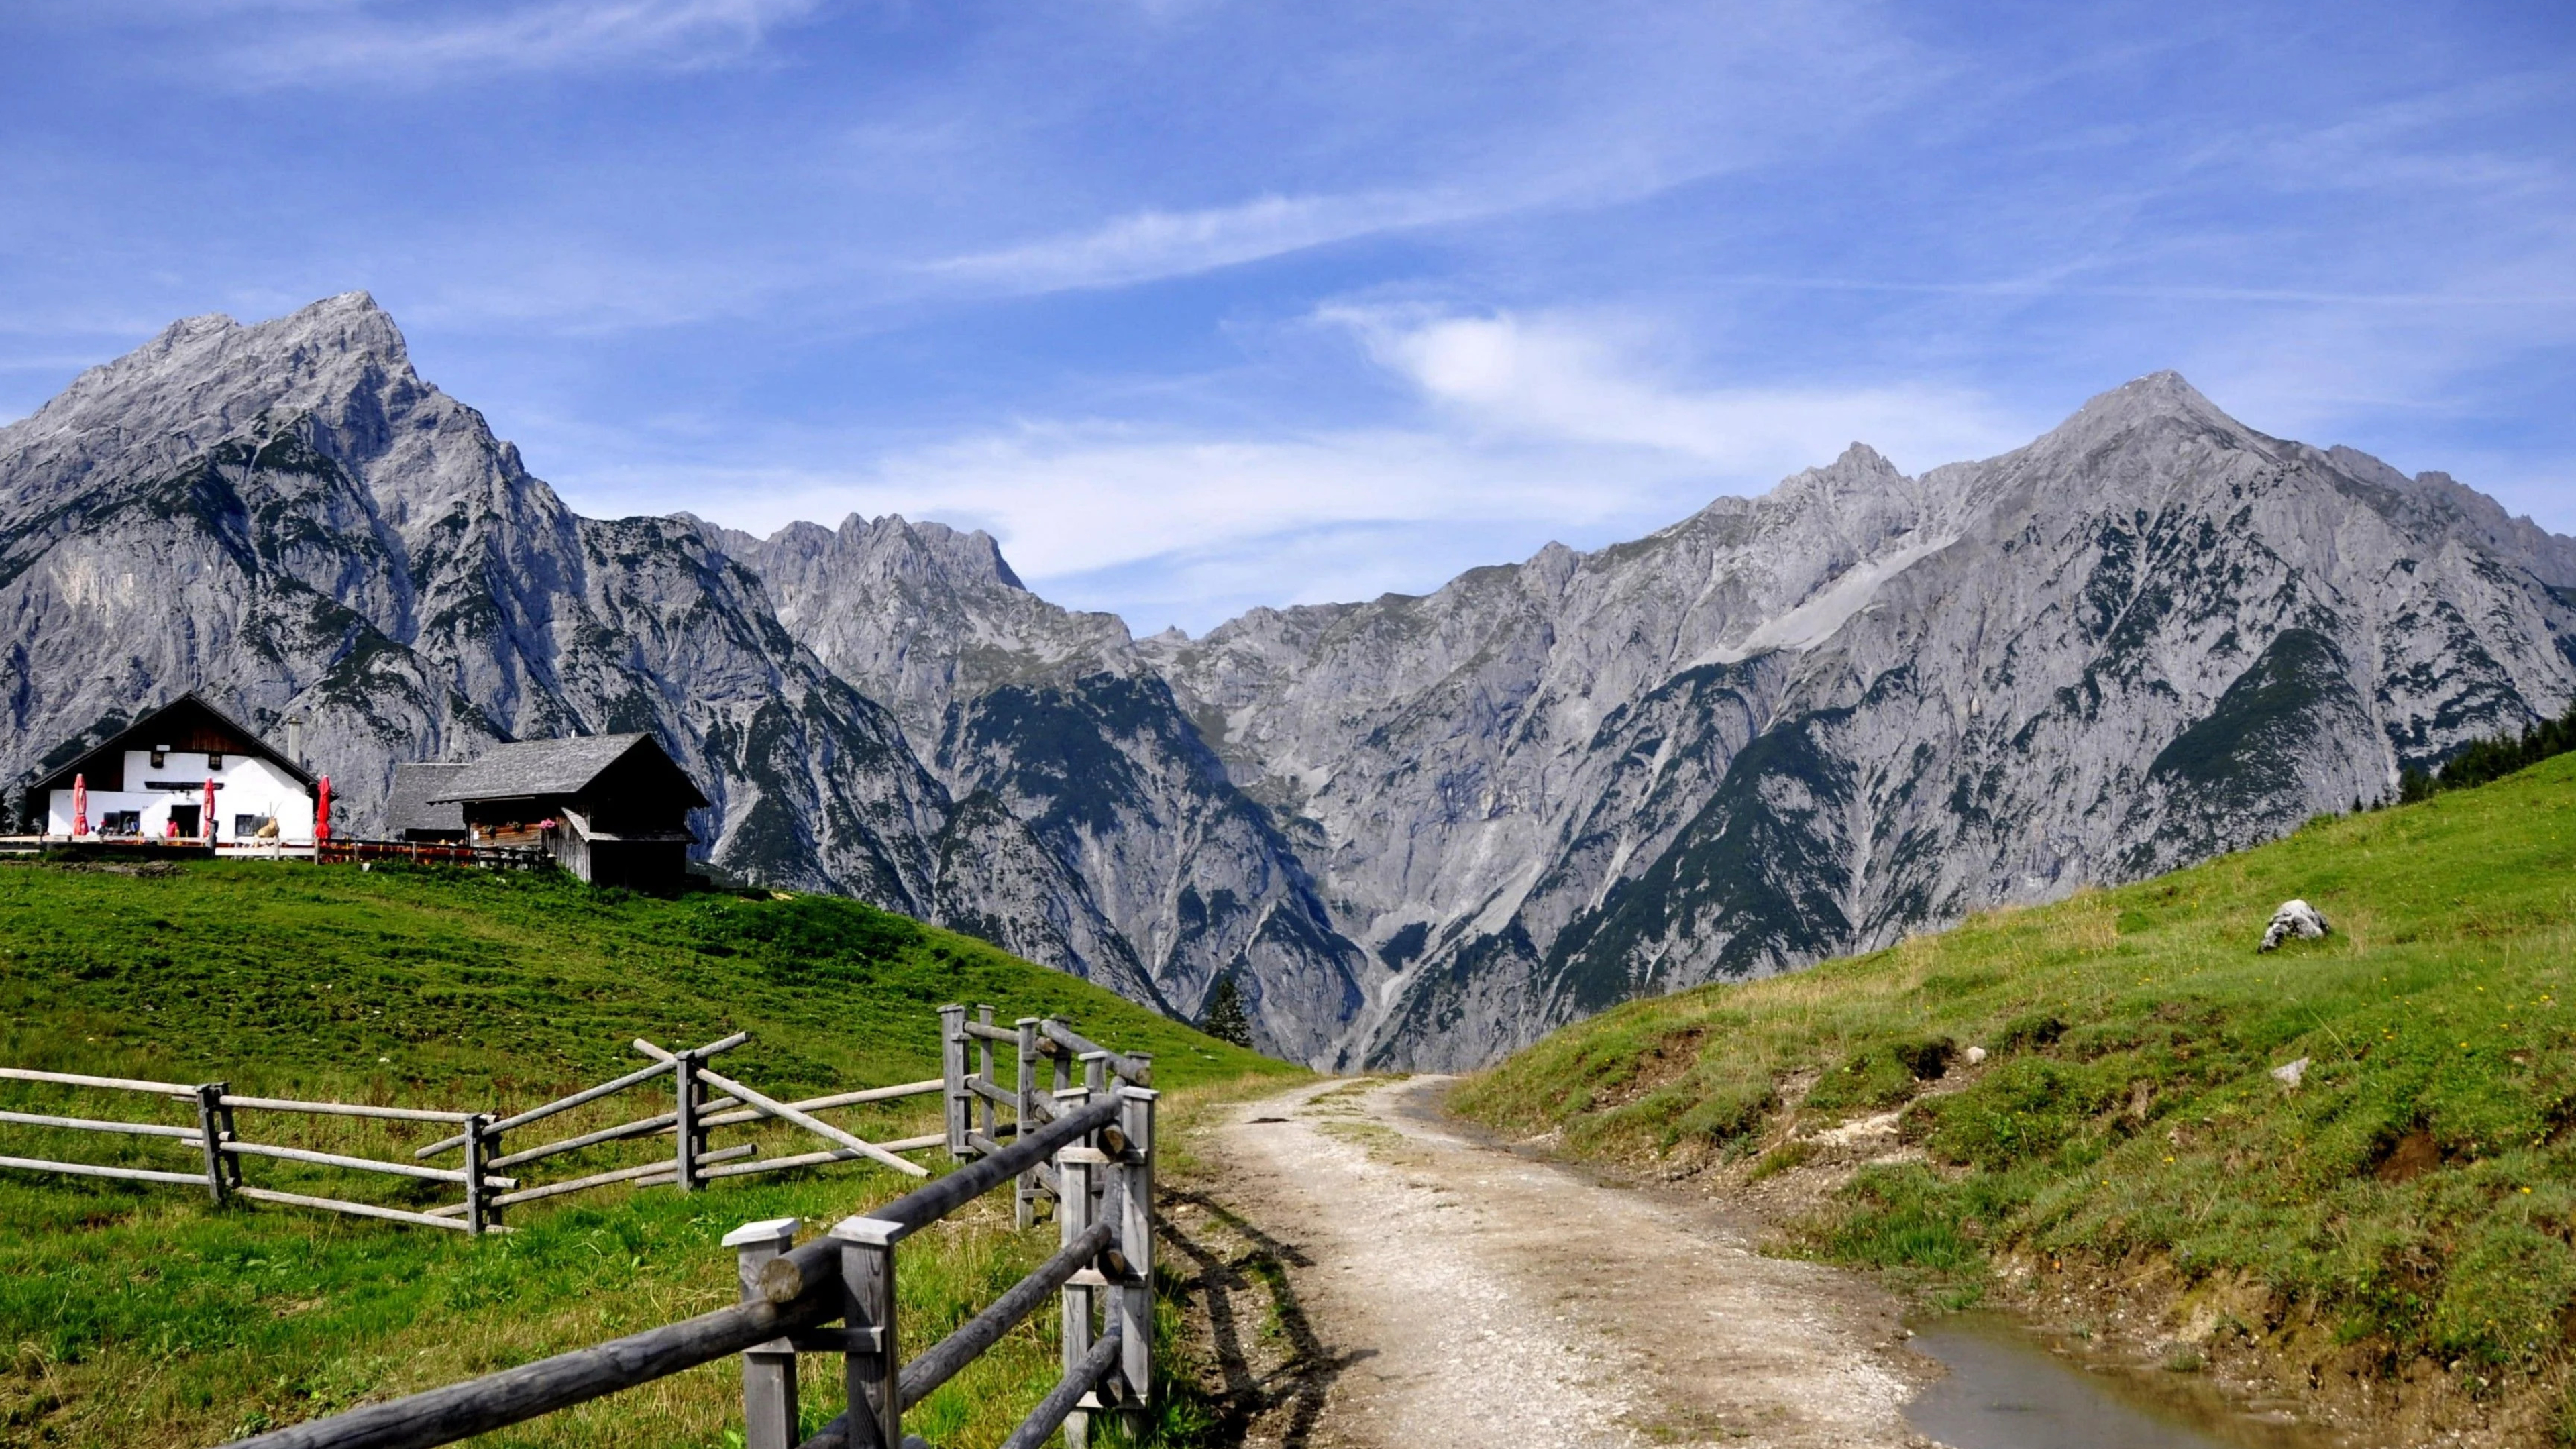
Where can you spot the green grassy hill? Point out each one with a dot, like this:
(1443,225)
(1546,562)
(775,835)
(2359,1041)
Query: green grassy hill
(2411,1199)
(138,1314)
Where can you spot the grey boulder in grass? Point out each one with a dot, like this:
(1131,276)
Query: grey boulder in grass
(2294,918)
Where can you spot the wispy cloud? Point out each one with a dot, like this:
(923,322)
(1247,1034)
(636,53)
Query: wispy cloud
(1529,114)
(1074,498)
(357,41)
(1152,243)
(1590,381)
(1516,431)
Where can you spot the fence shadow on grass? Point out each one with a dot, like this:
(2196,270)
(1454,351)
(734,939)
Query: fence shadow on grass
(1301,1383)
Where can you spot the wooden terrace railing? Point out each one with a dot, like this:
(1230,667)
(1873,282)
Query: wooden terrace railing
(340,850)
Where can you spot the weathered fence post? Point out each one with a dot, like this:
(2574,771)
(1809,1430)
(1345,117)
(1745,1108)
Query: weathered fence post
(210,1126)
(991,1114)
(1073,1180)
(952,1068)
(475,1156)
(1134,1229)
(768,1369)
(1063,1066)
(1095,1085)
(232,1164)
(490,1130)
(1024,1196)
(685,1088)
(872,1366)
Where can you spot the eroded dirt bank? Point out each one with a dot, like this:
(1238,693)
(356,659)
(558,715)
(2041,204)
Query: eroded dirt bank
(1382,1282)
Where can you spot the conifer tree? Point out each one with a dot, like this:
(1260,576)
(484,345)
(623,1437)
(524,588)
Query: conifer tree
(1224,1018)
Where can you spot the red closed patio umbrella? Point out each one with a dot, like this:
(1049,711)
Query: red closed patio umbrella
(210,808)
(322,810)
(80,804)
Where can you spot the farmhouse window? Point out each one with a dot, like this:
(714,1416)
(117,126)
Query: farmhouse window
(160,756)
(214,759)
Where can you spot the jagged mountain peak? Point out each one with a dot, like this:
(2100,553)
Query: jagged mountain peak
(961,553)
(1861,463)
(919,611)
(894,550)
(213,363)
(2445,502)
(337,368)
(2157,397)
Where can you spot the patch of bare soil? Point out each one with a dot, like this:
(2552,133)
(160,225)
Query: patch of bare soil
(1366,1278)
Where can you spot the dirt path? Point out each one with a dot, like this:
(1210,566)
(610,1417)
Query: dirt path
(1422,1291)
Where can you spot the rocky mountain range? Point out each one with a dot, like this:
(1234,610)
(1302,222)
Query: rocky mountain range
(1416,831)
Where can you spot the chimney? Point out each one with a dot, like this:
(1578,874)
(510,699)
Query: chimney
(295,739)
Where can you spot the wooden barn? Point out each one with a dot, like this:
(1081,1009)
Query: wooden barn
(612,809)
(149,781)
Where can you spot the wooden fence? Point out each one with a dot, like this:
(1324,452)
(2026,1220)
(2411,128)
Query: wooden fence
(339,850)
(695,1113)
(217,1142)
(1088,1148)
(976,1099)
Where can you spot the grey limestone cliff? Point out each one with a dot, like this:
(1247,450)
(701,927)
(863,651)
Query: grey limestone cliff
(1416,831)
(1059,736)
(1864,703)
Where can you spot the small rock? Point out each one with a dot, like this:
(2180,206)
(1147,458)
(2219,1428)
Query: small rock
(1974,1055)
(2294,918)
(2289,1075)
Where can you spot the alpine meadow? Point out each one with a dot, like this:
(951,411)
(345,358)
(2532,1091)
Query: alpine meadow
(798,724)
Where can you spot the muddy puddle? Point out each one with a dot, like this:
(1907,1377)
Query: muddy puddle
(2006,1390)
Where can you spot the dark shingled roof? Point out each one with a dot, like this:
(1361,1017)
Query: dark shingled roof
(417,784)
(187,709)
(554,767)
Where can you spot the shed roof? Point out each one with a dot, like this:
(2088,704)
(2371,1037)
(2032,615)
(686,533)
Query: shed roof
(416,802)
(559,767)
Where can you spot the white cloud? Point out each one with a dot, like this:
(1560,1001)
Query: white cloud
(1147,244)
(554,35)
(1581,381)
(1526,110)
(1525,431)
(1078,498)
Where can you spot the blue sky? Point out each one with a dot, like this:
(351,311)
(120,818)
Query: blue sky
(1201,305)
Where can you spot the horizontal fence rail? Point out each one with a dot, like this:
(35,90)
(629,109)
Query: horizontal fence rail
(216,1138)
(339,850)
(1096,1146)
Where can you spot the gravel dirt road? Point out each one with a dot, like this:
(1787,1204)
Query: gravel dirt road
(1400,1286)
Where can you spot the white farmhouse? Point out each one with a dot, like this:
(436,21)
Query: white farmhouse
(151,776)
